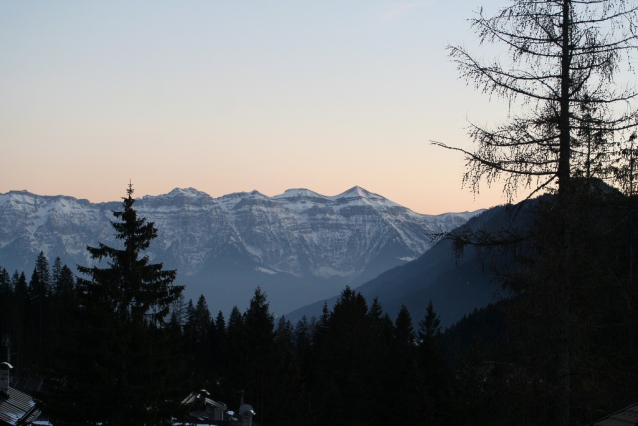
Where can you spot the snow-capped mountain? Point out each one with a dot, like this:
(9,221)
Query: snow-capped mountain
(299,246)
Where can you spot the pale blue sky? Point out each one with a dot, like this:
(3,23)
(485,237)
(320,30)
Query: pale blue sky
(235,96)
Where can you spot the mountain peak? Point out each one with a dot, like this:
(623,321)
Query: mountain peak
(298,193)
(186,192)
(19,192)
(357,191)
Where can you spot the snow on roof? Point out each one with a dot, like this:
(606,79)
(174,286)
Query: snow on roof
(18,407)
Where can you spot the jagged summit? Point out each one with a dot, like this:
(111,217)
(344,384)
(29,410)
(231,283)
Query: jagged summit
(354,192)
(357,191)
(186,192)
(298,193)
(361,196)
(255,192)
(243,194)
(25,197)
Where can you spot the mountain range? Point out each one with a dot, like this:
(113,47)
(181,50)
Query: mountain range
(299,246)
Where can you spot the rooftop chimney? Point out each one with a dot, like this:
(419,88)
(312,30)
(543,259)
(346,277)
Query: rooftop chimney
(5,344)
(4,378)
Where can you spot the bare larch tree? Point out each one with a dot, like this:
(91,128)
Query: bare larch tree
(570,116)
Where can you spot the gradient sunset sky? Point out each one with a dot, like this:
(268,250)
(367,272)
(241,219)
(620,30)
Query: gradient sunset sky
(230,96)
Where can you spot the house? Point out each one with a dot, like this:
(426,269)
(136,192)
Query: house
(206,411)
(16,407)
(625,417)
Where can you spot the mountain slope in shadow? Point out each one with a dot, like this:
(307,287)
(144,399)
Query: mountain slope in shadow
(456,285)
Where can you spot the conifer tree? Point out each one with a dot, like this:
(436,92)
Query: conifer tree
(218,345)
(435,372)
(220,324)
(198,342)
(19,333)
(56,270)
(403,328)
(346,376)
(429,326)
(406,393)
(65,284)
(201,322)
(235,325)
(6,301)
(131,287)
(264,368)
(284,332)
(44,274)
(256,355)
(302,334)
(5,279)
(118,367)
(37,323)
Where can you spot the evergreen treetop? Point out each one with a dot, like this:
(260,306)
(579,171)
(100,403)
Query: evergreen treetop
(131,286)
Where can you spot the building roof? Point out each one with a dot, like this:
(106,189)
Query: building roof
(625,417)
(17,409)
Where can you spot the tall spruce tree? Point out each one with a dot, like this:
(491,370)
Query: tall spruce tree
(6,301)
(117,366)
(406,395)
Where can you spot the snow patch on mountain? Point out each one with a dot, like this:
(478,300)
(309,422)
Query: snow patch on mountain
(265,271)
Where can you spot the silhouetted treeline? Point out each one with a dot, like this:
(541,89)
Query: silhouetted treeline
(352,365)
(32,310)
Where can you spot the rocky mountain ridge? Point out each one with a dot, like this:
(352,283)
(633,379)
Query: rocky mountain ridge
(222,245)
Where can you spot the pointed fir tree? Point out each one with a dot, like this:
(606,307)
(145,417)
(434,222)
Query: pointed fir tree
(436,374)
(406,393)
(235,325)
(56,271)
(6,301)
(220,324)
(429,326)
(268,370)
(285,332)
(198,343)
(403,328)
(134,289)
(201,322)
(44,275)
(118,366)
(302,334)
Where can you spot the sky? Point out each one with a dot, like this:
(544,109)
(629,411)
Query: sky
(238,96)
